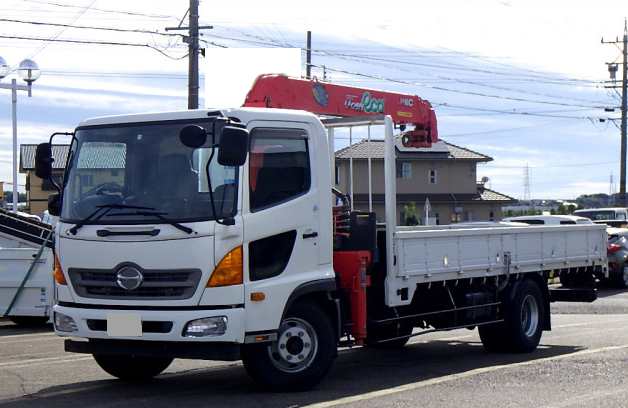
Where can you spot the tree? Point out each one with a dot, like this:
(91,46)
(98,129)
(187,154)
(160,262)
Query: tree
(412,214)
(561,209)
(8,197)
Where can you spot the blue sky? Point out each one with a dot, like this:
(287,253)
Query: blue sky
(522,81)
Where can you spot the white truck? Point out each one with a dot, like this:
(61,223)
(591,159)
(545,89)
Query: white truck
(212,234)
(26,264)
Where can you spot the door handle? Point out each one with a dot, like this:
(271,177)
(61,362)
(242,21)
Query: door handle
(310,235)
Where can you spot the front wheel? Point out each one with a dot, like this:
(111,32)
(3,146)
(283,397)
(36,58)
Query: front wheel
(132,368)
(300,357)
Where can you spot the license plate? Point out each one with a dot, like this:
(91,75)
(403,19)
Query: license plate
(124,324)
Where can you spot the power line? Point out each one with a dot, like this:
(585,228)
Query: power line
(58,33)
(129,13)
(110,74)
(93,42)
(264,41)
(370,59)
(120,30)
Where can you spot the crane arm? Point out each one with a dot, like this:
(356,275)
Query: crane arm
(324,98)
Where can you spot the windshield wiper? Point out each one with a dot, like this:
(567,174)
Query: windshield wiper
(159,215)
(99,213)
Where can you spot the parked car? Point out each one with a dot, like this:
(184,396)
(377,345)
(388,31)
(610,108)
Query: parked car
(549,219)
(613,217)
(617,252)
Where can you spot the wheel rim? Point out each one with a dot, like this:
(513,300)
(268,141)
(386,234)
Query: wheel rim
(529,316)
(296,345)
(624,275)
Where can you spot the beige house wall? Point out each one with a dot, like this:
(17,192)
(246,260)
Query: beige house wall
(453,176)
(36,197)
(458,177)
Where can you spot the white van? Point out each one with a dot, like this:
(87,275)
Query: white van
(614,217)
(549,219)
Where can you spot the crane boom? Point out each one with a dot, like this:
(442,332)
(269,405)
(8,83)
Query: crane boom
(324,98)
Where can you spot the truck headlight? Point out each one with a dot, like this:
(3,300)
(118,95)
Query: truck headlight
(64,323)
(207,326)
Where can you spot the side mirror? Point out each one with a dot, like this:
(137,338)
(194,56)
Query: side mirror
(233,146)
(43,161)
(193,136)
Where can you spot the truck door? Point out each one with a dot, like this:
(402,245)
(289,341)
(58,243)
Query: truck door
(281,221)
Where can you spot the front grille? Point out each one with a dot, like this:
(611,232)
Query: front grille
(157,284)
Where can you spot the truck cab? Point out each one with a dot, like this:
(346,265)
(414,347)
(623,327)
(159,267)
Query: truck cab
(160,240)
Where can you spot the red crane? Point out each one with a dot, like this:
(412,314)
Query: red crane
(324,98)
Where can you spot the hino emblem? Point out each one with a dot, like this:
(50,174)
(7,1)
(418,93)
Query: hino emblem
(129,278)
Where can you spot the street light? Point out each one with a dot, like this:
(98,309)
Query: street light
(29,72)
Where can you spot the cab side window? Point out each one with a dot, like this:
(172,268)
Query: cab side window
(279,166)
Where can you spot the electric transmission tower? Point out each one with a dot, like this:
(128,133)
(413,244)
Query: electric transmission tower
(526,185)
(611,193)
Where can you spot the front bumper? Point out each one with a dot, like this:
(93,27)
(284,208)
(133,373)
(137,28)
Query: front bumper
(156,325)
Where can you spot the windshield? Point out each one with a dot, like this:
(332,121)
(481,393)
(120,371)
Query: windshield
(142,173)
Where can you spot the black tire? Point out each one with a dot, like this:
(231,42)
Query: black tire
(621,280)
(132,368)
(524,319)
(29,321)
(492,336)
(302,355)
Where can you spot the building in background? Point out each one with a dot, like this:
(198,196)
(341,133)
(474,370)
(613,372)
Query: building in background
(444,174)
(38,190)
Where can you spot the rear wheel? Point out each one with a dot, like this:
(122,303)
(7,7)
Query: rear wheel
(300,357)
(378,335)
(524,319)
(492,336)
(132,368)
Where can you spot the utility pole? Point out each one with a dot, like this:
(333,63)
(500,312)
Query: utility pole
(193,51)
(193,56)
(624,107)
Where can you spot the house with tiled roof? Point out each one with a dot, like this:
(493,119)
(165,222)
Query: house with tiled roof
(38,190)
(103,165)
(444,174)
